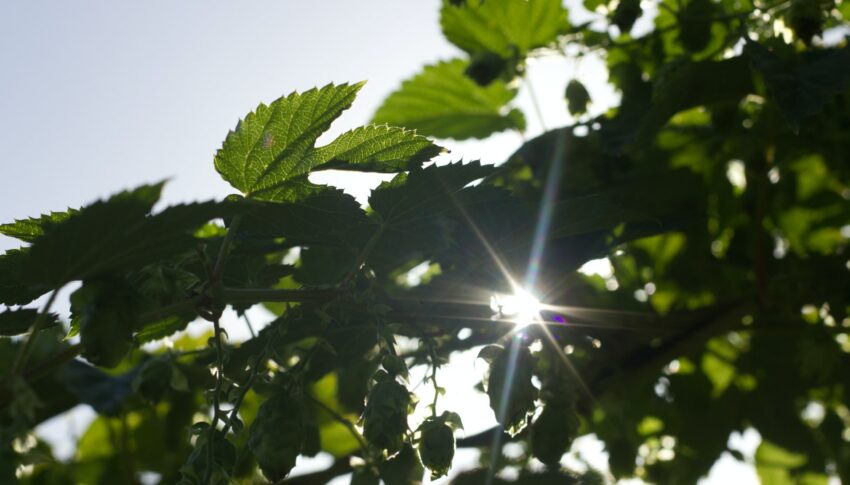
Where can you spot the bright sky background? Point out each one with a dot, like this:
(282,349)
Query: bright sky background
(99,96)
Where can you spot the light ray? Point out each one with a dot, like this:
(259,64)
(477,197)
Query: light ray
(544,218)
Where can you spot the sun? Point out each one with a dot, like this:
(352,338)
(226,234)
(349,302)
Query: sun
(521,307)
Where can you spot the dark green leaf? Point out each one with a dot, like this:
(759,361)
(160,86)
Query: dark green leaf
(17,322)
(801,89)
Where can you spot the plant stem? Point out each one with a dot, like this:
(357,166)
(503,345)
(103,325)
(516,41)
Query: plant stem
(37,326)
(345,422)
(218,269)
(434,366)
(169,310)
(258,295)
(364,253)
(219,379)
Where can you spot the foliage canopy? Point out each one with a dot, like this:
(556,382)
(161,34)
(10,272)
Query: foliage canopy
(717,189)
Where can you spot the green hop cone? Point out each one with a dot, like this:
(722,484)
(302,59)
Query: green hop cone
(695,25)
(106,313)
(577,97)
(806,18)
(625,15)
(436,446)
(277,436)
(385,417)
(485,67)
(394,365)
(224,458)
(509,385)
(403,469)
(553,432)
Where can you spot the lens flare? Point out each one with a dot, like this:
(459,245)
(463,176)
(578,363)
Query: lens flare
(522,307)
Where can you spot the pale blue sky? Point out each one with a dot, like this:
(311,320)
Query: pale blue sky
(96,96)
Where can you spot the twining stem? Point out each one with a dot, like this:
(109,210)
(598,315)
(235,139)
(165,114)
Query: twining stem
(252,376)
(37,326)
(219,353)
(434,366)
(214,278)
(248,324)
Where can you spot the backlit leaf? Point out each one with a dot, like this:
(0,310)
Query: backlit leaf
(443,102)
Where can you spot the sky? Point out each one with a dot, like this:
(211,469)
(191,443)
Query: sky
(98,96)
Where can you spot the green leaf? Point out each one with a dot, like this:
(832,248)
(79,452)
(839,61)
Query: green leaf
(686,85)
(270,145)
(504,27)
(376,148)
(769,454)
(28,230)
(442,101)
(106,394)
(17,322)
(803,87)
(425,192)
(329,216)
(108,235)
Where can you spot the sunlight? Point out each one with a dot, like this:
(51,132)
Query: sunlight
(522,307)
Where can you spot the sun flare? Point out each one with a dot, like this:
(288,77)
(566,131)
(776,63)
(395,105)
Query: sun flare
(522,307)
